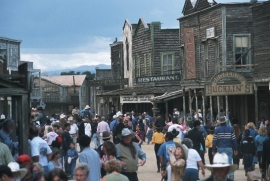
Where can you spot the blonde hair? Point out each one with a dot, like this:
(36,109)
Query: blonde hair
(251,125)
(262,131)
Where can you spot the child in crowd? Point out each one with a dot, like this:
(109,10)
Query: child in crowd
(158,139)
(209,143)
(72,155)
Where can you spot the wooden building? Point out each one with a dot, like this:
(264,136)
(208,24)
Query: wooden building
(216,58)
(15,89)
(62,93)
(151,64)
(261,56)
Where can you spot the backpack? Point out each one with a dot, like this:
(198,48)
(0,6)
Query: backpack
(81,128)
(57,142)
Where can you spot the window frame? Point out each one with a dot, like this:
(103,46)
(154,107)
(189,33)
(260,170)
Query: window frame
(161,62)
(247,68)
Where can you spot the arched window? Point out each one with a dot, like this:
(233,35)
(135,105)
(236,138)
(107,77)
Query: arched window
(127,53)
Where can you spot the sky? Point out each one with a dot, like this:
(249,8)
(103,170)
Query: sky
(60,34)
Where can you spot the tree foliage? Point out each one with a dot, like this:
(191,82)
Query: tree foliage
(89,75)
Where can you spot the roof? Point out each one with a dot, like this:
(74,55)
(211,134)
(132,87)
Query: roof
(167,96)
(141,90)
(65,80)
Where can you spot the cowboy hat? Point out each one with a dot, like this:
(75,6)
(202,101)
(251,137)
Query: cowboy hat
(87,107)
(126,132)
(106,135)
(62,116)
(212,128)
(15,167)
(199,110)
(3,116)
(221,119)
(184,148)
(220,161)
(189,118)
(70,118)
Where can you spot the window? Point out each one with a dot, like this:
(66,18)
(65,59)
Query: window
(167,63)
(242,51)
(127,53)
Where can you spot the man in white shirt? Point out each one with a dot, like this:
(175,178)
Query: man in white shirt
(102,126)
(176,126)
(73,130)
(40,150)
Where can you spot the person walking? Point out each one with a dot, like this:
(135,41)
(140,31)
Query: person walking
(72,155)
(238,135)
(259,139)
(209,143)
(129,154)
(91,158)
(224,141)
(73,130)
(102,126)
(158,140)
(66,142)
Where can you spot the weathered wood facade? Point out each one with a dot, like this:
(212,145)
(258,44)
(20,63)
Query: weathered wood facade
(62,93)
(216,38)
(261,55)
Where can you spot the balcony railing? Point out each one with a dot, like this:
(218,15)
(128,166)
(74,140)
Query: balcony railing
(60,99)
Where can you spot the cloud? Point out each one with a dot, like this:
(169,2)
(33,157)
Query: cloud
(47,62)
(95,51)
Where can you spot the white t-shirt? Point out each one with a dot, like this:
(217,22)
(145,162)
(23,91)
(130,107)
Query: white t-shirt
(87,129)
(39,147)
(174,126)
(73,129)
(193,158)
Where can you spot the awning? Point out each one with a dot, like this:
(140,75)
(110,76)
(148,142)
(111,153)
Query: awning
(167,96)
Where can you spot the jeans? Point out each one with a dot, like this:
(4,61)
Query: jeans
(149,136)
(191,174)
(96,141)
(229,152)
(71,168)
(46,169)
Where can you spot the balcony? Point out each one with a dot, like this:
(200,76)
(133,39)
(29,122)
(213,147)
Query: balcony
(35,94)
(61,99)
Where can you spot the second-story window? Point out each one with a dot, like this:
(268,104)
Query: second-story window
(167,63)
(242,51)
(127,51)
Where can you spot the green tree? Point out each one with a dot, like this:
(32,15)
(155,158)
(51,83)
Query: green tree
(89,75)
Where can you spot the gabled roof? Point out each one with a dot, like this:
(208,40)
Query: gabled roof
(187,6)
(141,21)
(194,5)
(201,4)
(65,80)
(126,22)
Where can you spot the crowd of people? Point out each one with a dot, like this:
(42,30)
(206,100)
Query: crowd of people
(60,147)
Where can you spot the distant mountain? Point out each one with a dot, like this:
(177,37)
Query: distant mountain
(83,68)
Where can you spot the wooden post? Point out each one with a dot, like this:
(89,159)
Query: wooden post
(167,112)
(227,108)
(256,104)
(121,107)
(203,104)
(184,105)
(211,109)
(190,109)
(196,99)
(218,106)
(23,110)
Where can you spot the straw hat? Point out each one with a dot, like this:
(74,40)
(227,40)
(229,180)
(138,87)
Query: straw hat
(87,107)
(106,135)
(126,132)
(70,118)
(184,148)
(15,167)
(221,119)
(220,161)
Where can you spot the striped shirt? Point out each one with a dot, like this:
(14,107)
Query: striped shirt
(224,137)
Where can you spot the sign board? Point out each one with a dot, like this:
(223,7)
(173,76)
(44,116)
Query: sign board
(136,99)
(225,88)
(160,78)
(50,89)
(105,82)
(190,53)
(210,32)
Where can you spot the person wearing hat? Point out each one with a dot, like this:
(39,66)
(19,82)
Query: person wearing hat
(198,114)
(209,143)
(102,126)
(17,173)
(129,153)
(197,137)
(24,161)
(41,118)
(224,141)
(178,156)
(220,168)
(86,112)
(73,130)
(6,173)
(112,113)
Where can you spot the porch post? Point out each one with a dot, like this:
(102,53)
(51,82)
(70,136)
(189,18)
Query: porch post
(203,104)
(184,105)
(227,107)
(256,104)
(218,105)
(196,99)
(166,107)
(211,109)
(190,110)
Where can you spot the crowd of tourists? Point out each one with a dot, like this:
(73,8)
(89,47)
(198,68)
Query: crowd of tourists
(60,146)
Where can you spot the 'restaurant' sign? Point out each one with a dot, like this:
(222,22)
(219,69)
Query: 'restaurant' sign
(137,99)
(190,53)
(219,87)
(161,78)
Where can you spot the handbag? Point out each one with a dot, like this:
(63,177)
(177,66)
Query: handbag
(254,175)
